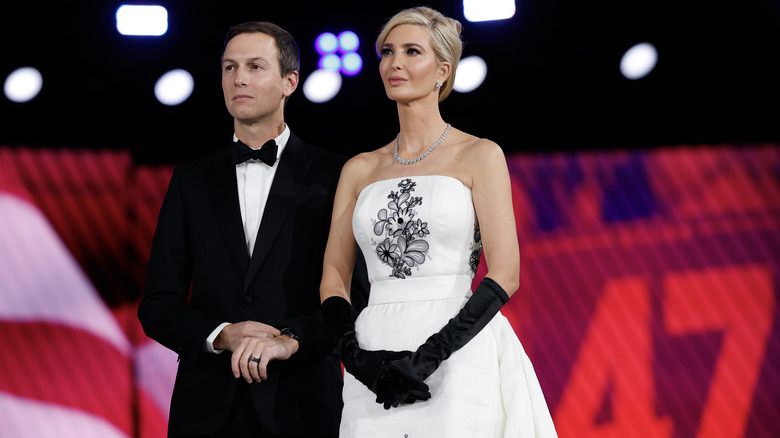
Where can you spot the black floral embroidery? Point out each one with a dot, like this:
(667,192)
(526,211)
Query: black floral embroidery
(477,247)
(403,247)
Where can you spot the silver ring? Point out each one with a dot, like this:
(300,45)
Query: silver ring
(254,359)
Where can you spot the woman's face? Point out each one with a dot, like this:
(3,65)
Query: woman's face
(409,68)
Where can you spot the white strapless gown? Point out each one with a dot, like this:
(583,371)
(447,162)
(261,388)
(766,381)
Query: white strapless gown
(421,242)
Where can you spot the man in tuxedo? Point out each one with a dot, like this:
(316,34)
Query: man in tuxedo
(233,277)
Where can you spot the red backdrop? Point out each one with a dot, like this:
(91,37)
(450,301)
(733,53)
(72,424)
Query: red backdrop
(648,300)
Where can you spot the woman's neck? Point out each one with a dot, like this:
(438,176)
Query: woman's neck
(420,126)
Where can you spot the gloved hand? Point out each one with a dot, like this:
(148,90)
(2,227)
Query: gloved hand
(393,389)
(365,365)
(398,376)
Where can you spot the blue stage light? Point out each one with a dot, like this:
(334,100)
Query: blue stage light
(326,43)
(338,55)
(351,63)
(330,62)
(348,41)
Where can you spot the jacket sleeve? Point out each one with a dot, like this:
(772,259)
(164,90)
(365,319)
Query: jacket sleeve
(163,311)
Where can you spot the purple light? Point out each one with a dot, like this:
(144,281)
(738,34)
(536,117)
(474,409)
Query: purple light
(351,63)
(348,41)
(330,62)
(326,43)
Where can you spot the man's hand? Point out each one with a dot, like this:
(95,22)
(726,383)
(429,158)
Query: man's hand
(234,334)
(250,359)
(254,345)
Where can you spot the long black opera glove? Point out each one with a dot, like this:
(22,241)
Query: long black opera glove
(402,374)
(365,365)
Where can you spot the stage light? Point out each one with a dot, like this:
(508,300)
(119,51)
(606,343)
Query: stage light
(488,10)
(322,86)
(348,41)
(330,46)
(638,61)
(174,87)
(326,43)
(330,62)
(351,63)
(142,20)
(23,84)
(470,75)
(338,55)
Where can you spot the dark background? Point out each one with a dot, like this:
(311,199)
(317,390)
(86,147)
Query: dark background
(553,80)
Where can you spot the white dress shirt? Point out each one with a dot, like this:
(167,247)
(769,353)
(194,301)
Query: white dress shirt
(254,180)
(254,183)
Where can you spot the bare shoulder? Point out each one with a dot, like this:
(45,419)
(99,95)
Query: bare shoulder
(362,164)
(481,148)
(478,154)
(359,170)
(487,168)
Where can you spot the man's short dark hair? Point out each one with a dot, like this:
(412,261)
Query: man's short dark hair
(289,55)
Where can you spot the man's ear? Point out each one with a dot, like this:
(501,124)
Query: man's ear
(290,83)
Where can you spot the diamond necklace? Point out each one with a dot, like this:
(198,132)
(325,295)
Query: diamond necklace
(433,146)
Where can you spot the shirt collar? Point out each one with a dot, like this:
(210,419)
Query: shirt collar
(281,140)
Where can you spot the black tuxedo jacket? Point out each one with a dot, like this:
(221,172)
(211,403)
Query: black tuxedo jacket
(200,275)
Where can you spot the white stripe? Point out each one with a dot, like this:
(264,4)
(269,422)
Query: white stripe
(40,280)
(25,418)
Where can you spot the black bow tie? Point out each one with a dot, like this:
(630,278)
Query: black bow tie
(266,154)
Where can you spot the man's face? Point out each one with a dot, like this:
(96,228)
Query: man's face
(252,84)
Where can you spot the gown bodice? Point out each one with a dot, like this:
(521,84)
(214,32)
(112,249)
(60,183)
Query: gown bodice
(416,227)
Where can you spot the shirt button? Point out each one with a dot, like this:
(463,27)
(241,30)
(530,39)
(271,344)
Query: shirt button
(248,299)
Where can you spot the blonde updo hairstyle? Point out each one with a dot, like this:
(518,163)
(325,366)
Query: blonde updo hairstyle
(445,38)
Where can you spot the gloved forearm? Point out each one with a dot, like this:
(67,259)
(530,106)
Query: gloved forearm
(365,365)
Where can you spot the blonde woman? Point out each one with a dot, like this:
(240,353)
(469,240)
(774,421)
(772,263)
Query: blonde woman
(428,357)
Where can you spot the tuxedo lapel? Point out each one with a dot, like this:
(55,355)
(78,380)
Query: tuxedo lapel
(284,189)
(223,190)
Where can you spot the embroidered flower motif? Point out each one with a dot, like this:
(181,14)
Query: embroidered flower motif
(387,252)
(403,247)
(422,228)
(477,247)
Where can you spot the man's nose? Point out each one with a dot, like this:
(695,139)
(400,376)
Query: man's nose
(240,77)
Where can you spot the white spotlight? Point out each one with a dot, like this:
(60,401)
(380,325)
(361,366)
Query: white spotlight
(322,85)
(487,10)
(142,20)
(471,74)
(638,61)
(174,87)
(23,84)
